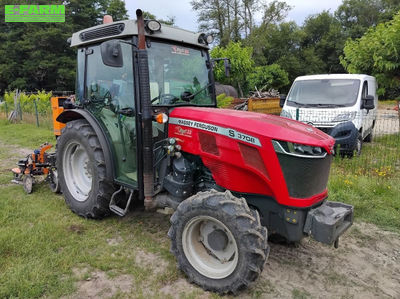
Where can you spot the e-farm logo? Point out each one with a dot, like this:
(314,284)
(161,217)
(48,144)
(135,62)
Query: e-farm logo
(35,13)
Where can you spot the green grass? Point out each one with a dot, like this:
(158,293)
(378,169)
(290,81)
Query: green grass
(25,135)
(42,243)
(371,182)
(388,102)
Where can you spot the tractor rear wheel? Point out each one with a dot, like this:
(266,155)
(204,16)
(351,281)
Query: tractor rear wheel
(218,241)
(81,170)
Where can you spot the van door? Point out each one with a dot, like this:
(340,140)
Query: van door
(372,88)
(367,116)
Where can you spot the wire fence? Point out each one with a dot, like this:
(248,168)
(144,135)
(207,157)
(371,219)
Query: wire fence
(27,107)
(367,142)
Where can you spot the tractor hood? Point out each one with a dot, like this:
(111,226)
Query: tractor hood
(250,127)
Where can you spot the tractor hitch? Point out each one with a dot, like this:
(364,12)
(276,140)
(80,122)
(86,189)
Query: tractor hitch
(329,221)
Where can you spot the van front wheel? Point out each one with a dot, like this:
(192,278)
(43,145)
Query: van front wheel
(359,144)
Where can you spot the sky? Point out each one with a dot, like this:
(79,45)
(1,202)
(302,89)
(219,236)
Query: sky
(186,18)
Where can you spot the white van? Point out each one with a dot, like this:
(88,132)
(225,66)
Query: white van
(341,105)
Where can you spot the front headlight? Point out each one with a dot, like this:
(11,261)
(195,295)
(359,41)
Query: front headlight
(286,114)
(346,116)
(299,150)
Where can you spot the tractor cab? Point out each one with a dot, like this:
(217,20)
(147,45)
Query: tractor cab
(179,72)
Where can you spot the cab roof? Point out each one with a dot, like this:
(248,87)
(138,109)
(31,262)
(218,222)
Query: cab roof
(122,29)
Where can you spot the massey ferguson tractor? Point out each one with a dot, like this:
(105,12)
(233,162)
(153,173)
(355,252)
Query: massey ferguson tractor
(144,127)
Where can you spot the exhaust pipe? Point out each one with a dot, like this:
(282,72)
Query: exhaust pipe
(144,89)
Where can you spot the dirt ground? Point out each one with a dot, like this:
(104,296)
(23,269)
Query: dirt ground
(366,265)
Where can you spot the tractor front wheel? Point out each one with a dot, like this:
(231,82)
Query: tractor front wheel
(81,170)
(218,241)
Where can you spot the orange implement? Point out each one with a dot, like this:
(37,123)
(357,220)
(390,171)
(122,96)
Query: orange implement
(57,108)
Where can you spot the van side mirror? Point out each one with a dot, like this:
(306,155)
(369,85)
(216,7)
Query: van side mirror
(111,53)
(282,100)
(368,102)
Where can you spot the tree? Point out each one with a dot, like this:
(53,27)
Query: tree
(241,64)
(323,36)
(280,44)
(275,12)
(356,16)
(116,8)
(233,19)
(169,21)
(222,18)
(37,55)
(377,53)
(267,77)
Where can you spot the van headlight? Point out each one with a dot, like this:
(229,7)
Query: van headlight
(299,150)
(346,116)
(285,113)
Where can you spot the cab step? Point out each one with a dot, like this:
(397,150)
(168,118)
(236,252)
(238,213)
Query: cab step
(120,211)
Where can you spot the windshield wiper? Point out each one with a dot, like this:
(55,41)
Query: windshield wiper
(187,95)
(328,105)
(300,104)
(316,105)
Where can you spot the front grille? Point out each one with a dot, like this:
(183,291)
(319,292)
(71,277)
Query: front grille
(305,177)
(109,30)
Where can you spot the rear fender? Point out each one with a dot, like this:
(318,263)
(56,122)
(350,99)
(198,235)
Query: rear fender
(74,114)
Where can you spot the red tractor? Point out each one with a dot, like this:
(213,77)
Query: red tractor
(144,127)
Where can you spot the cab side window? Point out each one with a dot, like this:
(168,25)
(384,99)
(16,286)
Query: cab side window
(110,85)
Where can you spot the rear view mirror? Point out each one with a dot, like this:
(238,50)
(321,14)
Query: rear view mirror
(227,65)
(111,53)
(368,102)
(282,100)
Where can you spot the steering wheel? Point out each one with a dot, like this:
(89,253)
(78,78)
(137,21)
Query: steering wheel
(166,98)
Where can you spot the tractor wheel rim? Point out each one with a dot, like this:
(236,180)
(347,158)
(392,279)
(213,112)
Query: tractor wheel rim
(28,184)
(77,171)
(54,178)
(214,264)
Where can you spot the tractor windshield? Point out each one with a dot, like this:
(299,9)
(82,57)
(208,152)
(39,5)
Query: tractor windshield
(179,75)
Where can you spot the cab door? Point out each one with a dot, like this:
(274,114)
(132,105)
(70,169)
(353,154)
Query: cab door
(109,95)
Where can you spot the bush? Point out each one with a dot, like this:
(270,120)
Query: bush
(223,101)
(269,76)
(27,102)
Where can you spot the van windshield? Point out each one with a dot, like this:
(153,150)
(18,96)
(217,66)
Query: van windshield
(324,93)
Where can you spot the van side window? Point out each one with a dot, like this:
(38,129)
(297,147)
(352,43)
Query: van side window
(365,89)
(364,92)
